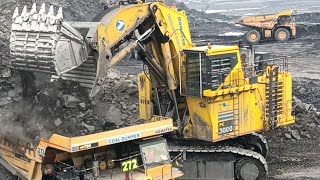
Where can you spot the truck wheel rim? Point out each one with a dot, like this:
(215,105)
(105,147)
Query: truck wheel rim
(253,37)
(282,35)
(249,171)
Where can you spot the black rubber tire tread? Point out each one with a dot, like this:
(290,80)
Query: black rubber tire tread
(6,175)
(257,33)
(277,33)
(262,173)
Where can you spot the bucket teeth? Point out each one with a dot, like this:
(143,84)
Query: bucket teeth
(33,9)
(51,13)
(41,42)
(42,10)
(34,20)
(16,13)
(59,14)
(24,11)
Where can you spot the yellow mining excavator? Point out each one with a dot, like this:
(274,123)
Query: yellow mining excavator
(279,26)
(220,97)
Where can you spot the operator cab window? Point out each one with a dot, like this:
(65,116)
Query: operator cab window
(202,72)
(285,20)
(155,153)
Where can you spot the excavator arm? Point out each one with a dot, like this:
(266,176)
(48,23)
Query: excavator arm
(42,41)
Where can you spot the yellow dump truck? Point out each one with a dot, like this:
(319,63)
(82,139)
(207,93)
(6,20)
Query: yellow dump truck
(280,26)
(136,152)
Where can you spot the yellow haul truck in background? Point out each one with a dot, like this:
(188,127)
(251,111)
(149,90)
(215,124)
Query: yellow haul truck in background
(132,153)
(219,97)
(280,27)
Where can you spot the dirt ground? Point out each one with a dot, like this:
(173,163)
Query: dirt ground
(294,150)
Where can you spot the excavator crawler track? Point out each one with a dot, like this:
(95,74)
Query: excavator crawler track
(234,154)
(263,143)
(255,142)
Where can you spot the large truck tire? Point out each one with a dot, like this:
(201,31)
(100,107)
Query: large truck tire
(253,36)
(249,169)
(6,175)
(282,35)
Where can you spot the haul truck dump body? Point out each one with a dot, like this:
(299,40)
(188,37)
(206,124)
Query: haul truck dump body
(135,152)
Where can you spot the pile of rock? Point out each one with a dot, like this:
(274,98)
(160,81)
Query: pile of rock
(10,89)
(5,24)
(309,92)
(64,108)
(61,107)
(307,115)
(307,125)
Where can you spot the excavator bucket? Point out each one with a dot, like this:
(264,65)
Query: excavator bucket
(41,42)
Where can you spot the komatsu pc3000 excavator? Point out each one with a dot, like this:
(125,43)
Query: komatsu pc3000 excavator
(220,97)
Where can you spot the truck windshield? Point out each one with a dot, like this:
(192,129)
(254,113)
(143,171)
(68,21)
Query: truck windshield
(155,154)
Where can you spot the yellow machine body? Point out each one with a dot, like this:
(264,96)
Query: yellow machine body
(211,93)
(28,164)
(238,106)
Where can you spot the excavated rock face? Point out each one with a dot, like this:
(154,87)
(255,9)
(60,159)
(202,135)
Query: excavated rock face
(307,112)
(38,108)
(64,108)
(6,11)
